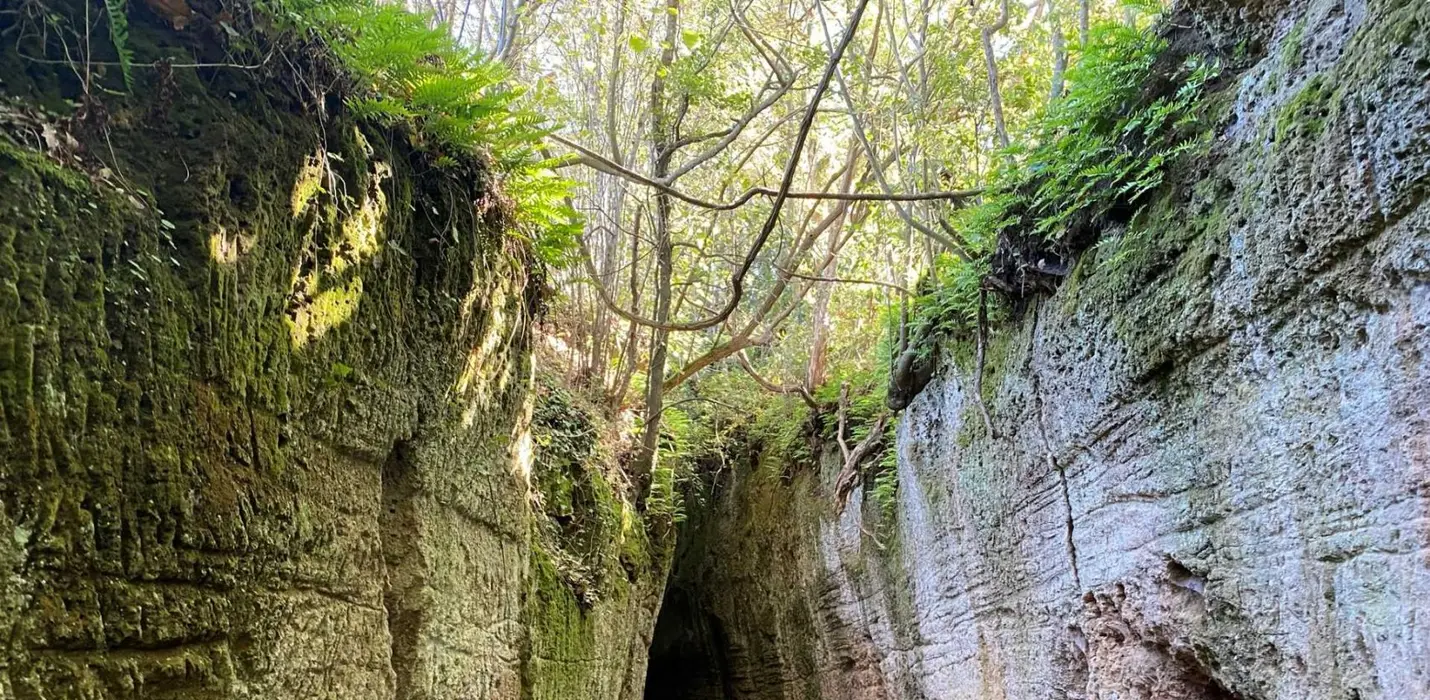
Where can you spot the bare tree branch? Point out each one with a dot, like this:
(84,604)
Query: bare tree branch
(781,89)
(772,387)
(842,280)
(599,162)
(773,58)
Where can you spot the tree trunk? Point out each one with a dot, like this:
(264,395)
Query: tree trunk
(1060,51)
(661,139)
(1084,22)
(660,343)
(995,96)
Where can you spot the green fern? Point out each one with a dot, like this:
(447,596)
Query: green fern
(379,109)
(1102,145)
(458,101)
(117,11)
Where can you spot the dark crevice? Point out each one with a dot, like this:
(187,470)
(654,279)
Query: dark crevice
(689,653)
(1052,460)
(1071,544)
(401,560)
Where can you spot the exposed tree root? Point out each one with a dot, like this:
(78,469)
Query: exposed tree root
(849,473)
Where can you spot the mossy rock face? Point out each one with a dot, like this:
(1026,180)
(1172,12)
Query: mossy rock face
(265,400)
(598,567)
(264,397)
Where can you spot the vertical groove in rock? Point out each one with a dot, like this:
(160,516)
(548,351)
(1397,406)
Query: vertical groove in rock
(401,560)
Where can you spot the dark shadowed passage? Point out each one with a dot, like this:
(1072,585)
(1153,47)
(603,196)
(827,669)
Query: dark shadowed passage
(687,654)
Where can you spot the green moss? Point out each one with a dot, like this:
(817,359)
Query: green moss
(307,185)
(153,401)
(328,309)
(1405,25)
(579,637)
(557,614)
(561,631)
(1071,288)
(1164,297)
(593,537)
(1291,50)
(40,165)
(1306,114)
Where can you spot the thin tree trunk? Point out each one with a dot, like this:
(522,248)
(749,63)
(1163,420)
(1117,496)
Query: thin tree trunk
(819,342)
(995,95)
(613,90)
(1060,51)
(1084,22)
(660,342)
(661,138)
(627,363)
(482,25)
(462,30)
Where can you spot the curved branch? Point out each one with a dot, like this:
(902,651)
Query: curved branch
(842,280)
(729,135)
(849,473)
(772,387)
(599,162)
(737,280)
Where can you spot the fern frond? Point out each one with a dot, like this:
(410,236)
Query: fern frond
(379,109)
(117,12)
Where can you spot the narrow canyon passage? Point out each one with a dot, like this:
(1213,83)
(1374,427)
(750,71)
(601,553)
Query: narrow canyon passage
(697,350)
(688,654)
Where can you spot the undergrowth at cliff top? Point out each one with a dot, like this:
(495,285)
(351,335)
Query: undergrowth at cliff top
(407,69)
(458,101)
(1104,145)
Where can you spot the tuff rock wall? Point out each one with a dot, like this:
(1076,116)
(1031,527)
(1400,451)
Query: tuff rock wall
(1210,476)
(265,407)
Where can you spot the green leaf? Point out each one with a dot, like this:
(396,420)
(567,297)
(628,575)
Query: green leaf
(117,12)
(638,43)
